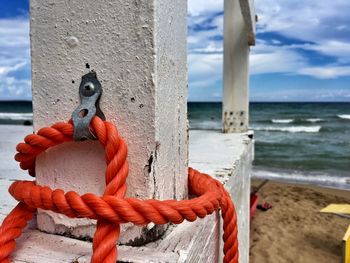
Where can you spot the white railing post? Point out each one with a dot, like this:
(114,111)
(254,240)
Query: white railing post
(239,33)
(138,51)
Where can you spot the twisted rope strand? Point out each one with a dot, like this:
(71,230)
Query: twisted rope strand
(111,209)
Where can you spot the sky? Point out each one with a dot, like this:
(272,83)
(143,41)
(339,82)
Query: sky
(302,51)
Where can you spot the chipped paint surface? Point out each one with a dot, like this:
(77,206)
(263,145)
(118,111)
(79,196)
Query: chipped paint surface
(138,50)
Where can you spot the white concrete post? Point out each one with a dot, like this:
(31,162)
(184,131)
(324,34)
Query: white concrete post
(138,50)
(239,32)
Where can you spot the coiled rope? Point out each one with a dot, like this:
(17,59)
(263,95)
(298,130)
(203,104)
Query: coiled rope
(111,209)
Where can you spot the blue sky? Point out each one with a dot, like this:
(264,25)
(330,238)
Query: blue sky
(302,51)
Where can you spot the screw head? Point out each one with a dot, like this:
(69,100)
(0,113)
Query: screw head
(89,89)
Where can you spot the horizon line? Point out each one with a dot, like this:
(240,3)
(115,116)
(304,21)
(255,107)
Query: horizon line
(203,101)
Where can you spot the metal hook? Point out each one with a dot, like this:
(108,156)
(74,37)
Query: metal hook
(90,91)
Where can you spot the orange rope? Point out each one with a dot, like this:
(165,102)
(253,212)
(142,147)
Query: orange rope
(111,209)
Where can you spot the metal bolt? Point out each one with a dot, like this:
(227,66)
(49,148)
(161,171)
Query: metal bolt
(89,89)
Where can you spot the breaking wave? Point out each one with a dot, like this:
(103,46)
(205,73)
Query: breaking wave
(314,178)
(206,125)
(344,116)
(16,116)
(313,120)
(292,129)
(283,121)
(297,120)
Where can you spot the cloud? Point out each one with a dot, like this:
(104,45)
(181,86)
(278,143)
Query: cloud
(268,58)
(338,49)
(205,60)
(307,38)
(15,80)
(320,25)
(296,94)
(205,69)
(326,72)
(311,20)
(205,33)
(5,70)
(198,7)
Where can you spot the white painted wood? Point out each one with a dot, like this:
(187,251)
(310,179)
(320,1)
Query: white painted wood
(179,246)
(138,50)
(249,16)
(236,70)
(227,156)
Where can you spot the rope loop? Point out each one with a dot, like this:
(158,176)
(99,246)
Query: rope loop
(113,208)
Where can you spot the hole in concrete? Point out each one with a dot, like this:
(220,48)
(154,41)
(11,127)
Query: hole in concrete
(231,123)
(150,161)
(141,106)
(73,81)
(242,123)
(87,65)
(27,123)
(231,112)
(82,114)
(132,99)
(242,112)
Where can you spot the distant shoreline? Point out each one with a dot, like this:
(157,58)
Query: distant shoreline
(326,179)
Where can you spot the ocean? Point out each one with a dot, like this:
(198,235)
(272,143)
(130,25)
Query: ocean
(295,142)
(16,112)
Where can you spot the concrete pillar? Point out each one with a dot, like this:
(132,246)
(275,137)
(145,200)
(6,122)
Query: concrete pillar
(236,73)
(138,51)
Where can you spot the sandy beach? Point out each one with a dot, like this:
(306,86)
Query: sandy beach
(294,230)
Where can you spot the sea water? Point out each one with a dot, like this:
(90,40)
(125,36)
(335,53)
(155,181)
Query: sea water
(16,112)
(296,142)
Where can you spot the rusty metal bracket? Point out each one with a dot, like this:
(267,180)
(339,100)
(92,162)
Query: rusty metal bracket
(90,91)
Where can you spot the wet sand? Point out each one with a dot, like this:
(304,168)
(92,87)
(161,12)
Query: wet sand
(294,230)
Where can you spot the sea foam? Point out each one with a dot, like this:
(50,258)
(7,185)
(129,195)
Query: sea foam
(315,178)
(282,121)
(344,116)
(292,129)
(205,125)
(16,116)
(314,120)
